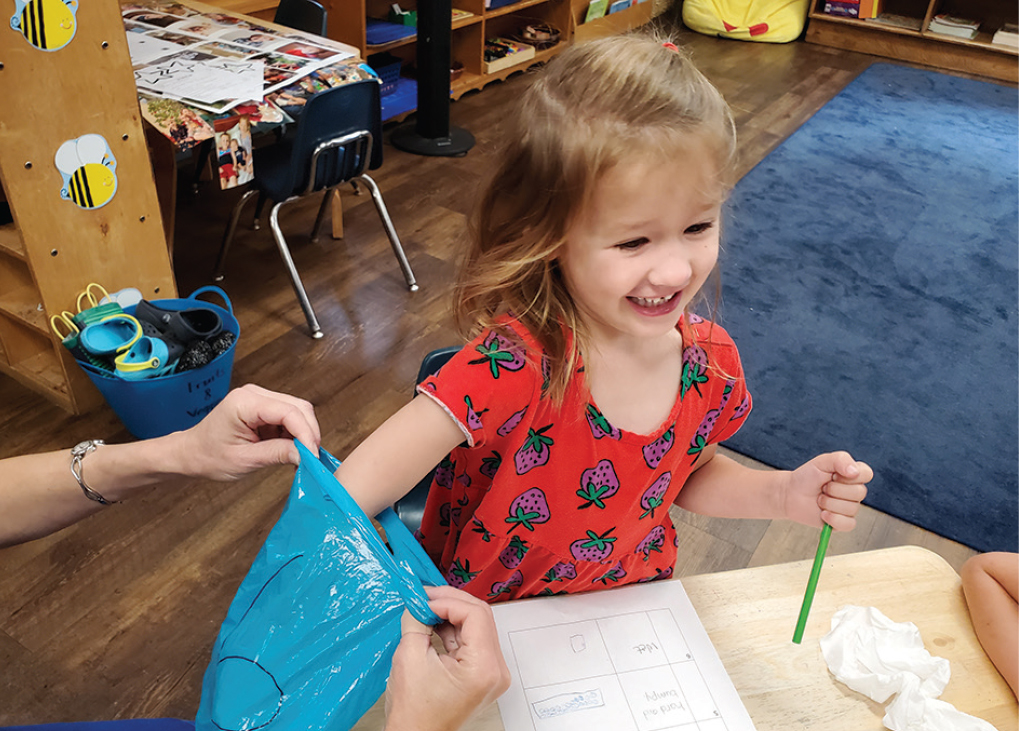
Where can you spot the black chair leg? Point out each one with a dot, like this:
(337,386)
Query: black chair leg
(228,237)
(204,150)
(321,214)
(387,223)
(295,278)
(258,211)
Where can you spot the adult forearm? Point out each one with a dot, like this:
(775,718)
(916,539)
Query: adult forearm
(723,488)
(39,495)
(250,429)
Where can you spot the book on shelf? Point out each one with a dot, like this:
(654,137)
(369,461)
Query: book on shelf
(596,10)
(870,9)
(866,9)
(955,26)
(1006,35)
(842,9)
(895,20)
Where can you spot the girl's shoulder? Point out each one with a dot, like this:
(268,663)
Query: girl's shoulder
(511,343)
(516,332)
(489,383)
(711,338)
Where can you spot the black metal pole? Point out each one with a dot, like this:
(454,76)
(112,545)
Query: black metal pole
(430,133)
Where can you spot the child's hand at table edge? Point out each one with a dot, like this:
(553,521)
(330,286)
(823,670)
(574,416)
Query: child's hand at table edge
(827,489)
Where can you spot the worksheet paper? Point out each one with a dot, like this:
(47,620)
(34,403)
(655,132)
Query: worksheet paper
(635,658)
(204,78)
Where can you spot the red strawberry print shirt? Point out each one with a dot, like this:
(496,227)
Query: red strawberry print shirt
(549,500)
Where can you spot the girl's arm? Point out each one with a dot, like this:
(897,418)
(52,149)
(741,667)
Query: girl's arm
(991,584)
(827,489)
(387,465)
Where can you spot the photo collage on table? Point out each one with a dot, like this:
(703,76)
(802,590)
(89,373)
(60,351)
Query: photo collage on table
(215,61)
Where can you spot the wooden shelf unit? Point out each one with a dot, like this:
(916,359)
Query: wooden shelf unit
(348,21)
(633,17)
(922,46)
(53,249)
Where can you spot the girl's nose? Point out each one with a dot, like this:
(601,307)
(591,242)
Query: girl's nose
(671,269)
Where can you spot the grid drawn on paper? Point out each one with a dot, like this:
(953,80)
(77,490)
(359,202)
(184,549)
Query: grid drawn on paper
(631,671)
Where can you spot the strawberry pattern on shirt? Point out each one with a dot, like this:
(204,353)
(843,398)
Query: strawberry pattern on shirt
(546,499)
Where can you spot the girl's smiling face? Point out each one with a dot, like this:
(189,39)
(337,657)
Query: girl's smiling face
(643,246)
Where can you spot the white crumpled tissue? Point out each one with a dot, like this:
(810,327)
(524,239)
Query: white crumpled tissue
(880,658)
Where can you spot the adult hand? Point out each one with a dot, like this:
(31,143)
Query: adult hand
(828,489)
(429,691)
(251,428)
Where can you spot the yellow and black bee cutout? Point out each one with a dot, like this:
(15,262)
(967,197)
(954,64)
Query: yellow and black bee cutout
(49,25)
(89,171)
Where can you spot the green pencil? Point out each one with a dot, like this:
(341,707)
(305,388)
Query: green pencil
(815,573)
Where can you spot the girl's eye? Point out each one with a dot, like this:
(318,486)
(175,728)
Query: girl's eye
(630,245)
(699,228)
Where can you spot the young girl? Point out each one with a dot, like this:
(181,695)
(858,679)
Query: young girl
(591,398)
(227,163)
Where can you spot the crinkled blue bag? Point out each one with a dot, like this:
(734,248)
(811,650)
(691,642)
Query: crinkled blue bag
(308,641)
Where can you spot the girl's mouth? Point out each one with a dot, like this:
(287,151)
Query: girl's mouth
(652,301)
(655,305)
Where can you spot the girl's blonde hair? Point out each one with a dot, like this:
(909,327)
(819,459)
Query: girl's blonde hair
(617,100)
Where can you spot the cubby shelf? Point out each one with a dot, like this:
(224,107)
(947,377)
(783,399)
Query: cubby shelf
(23,304)
(636,15)
(10,241)
(53,249)
(348,21)
(920,45)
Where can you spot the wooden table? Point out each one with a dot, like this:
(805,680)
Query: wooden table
(163,150)
(750,615)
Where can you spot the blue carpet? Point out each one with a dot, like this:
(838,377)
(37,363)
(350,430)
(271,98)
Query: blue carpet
(870,281)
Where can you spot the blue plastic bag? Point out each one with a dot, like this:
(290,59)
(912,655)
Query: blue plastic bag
(308,641)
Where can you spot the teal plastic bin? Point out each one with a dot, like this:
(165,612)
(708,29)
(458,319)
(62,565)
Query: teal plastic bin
(155,407)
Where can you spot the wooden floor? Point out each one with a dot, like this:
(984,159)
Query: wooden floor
(115,617)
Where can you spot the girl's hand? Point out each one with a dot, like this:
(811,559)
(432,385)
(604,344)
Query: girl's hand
(827,489)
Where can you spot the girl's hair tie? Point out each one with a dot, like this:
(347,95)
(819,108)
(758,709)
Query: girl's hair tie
(670,46)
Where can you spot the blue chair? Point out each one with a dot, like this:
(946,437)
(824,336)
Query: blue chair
(411,507)
(338,138)
(306,15)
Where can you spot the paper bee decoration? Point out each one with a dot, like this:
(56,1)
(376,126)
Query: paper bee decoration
(49,25)
(89,171)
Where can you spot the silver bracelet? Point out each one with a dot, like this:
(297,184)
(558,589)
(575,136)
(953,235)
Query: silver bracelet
(78,453)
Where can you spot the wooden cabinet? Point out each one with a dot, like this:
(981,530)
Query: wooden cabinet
(634,16)
(911,40)
(348,22)
(55,247)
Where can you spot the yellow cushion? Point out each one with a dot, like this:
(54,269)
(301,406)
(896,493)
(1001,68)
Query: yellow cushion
(770,21)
